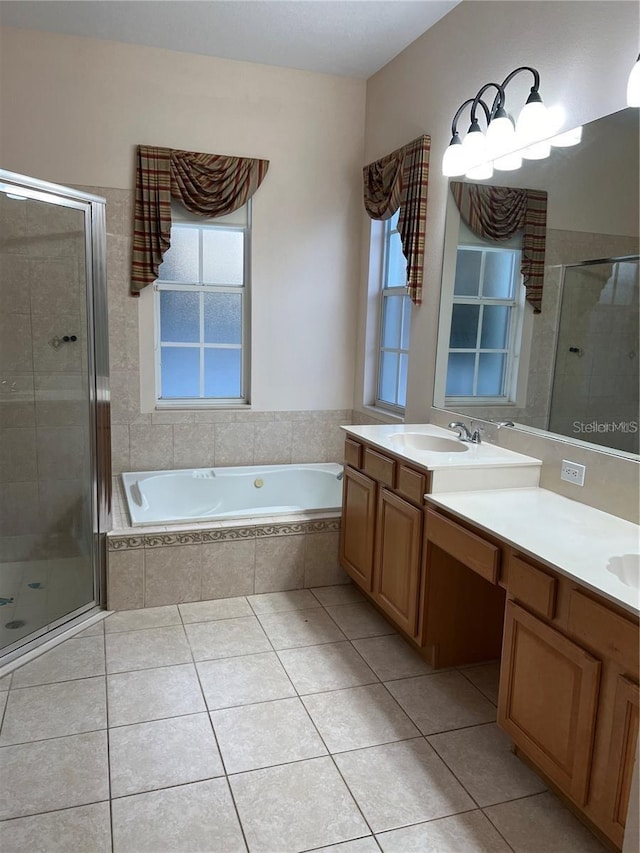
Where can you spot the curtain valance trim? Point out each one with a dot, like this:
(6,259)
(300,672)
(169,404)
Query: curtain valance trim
(206,184)
(400,180)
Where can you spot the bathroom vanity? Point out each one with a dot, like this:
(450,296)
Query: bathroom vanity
(472,561)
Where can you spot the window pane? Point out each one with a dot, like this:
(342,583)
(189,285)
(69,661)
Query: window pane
(179,317)
(490,374)
(464,326)
(391,318)
(498,275)
(223,257)
(406,322)
(181,262)
(402,381)
(460,374)
(388,373)
(467,273)
(222,372)
(495,326)
(396,263)
(393,222)
(222,318)
(180,367)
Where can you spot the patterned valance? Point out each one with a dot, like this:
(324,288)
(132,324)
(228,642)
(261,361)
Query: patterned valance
(206,184)
(496,213)
(400,180)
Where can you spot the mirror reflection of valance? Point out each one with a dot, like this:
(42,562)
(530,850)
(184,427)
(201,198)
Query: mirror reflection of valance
(496,213)
(400,180)
(206,184)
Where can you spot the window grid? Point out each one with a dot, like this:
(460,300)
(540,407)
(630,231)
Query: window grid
(481,300)
(201,287)
(387,293)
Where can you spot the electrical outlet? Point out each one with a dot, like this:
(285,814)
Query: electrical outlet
(572,472)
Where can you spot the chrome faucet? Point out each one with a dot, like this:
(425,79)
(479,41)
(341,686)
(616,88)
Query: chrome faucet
(464,434)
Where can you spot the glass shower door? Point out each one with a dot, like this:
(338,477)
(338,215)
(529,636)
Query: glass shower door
(48,512)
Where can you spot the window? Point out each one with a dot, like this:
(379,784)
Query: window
(486,320)
(395,322)
(201,311)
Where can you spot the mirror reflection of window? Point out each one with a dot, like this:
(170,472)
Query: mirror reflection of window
(486,322)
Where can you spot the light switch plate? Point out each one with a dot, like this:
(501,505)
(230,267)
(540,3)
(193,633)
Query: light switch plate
(572,472)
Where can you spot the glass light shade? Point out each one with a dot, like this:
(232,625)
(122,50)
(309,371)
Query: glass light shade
(539,151)
(475,147)
(568,138)
(508,162)
(533,123)
(633,86)
(501,136)
(481,172)
(454,162)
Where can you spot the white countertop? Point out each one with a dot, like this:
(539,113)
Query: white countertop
(474,466)
(576,540)
(475,455)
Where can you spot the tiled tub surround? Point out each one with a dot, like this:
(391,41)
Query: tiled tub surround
(177,563)
(286,722)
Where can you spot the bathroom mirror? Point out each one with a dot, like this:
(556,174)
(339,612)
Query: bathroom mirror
(572,369)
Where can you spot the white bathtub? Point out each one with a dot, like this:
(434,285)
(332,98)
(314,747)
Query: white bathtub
(203,494)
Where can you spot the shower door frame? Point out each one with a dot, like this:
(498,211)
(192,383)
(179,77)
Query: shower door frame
(97,384)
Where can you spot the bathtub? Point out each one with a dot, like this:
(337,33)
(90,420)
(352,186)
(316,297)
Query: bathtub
(205,494)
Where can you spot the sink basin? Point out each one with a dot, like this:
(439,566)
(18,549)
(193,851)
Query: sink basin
(423,441)
(626,569)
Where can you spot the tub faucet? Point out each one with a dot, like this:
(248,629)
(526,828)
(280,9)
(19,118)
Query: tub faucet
(464,434)
(340,475)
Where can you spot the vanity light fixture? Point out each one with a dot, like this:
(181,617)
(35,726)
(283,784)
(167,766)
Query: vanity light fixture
(505,143)
(633,85)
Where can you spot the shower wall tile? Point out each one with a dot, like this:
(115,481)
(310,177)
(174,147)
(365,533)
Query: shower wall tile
(67,357)
(18,455)
(55,288)
(61,413)
(19,509)
(14,284)
(61,504)
(60,452)
(15,344)
(14,413)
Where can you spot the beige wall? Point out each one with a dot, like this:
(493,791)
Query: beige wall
(584,52)
(73,109)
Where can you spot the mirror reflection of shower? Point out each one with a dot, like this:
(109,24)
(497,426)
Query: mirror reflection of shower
(596,379)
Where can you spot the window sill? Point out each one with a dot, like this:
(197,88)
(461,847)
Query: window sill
(204,406)
(383,414)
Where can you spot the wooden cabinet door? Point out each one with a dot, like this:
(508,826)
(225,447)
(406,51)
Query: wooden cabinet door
(548,700)
(396,583)
(622,753)
(358,527)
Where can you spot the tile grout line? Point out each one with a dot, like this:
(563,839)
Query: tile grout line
(215,736)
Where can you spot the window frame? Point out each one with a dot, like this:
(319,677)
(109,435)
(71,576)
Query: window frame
(383,294)
(244,290)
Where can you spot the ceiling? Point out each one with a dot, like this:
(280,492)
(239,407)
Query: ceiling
(354,38)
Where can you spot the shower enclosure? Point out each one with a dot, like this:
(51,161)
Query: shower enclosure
(54,410)
(596,380)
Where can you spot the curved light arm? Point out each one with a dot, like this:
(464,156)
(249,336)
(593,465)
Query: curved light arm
(475,101)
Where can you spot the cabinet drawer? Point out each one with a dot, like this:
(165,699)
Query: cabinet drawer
(411,484)
(469,549)
(533,587)
(380,467)
(353,453)
(604,631)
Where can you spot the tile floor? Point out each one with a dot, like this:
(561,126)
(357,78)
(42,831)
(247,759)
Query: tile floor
(281,722)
